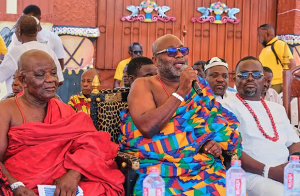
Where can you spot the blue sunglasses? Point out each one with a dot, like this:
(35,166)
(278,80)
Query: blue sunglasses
(246,74)
(172,52)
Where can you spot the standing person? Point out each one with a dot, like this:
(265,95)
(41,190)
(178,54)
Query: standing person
(135,49)
(26,31)
(44,35)
(170,127)
(80,102)
(268,93)
(216,74)
(272,54)
(268,137)
(199,66)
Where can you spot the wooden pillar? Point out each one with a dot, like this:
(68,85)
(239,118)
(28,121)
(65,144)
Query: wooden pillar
(288,12)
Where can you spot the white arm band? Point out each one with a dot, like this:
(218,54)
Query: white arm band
(266,171)
(16,185)
(178,96)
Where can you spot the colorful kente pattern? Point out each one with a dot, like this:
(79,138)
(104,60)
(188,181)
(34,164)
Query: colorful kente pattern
(176,150)
(80,103)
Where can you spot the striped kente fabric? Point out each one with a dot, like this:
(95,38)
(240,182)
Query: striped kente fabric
(176,150)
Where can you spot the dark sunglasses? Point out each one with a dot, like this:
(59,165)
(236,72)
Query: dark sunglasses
(137,52)
(172,52)
(246,74)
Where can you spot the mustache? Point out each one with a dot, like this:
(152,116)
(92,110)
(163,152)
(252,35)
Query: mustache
(251,83)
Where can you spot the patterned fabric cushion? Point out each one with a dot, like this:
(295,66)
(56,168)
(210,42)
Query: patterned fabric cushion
(105,110)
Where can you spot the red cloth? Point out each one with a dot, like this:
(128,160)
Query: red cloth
(4,188)
(39,153)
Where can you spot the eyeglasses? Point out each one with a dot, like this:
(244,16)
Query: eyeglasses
(136,52)
(172,52)
(246,74)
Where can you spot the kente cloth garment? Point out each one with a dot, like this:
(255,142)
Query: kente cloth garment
(176,150)
(39,153)
(80,103)
(4,188)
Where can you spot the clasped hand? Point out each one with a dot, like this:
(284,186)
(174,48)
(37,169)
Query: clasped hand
(213,148)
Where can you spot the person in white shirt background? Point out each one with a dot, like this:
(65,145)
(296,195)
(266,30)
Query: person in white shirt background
(44,35)
(26,31)
(268,93)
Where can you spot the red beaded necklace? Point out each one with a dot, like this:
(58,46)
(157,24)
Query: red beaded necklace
(276,137)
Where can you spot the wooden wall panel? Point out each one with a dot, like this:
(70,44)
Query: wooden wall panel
(45,6)
(228,41)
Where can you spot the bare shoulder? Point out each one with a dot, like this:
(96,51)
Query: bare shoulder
(6,103)
(140,96)
(142,85)
(10,114)
(7,110)
(7,106)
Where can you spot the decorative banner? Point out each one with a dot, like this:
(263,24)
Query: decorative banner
(148,7)
(77,31)
(218,9)
(78,46)
(293,40)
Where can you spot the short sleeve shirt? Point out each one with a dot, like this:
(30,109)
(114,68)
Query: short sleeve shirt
(9,65)
(47,37)
(120,68)
(268,59)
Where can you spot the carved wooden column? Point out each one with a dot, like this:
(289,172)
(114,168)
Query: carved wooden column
(288,13)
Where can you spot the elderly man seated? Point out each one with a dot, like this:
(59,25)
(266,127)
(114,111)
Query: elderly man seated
(170,127)
(216,74)
(44,142)
(268,137)
(80,102)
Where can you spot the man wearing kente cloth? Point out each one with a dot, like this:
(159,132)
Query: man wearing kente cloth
(44,142)
(170,127)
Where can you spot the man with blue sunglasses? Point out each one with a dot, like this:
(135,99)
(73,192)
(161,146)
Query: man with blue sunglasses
(171,127)
(134,50)
(268,137)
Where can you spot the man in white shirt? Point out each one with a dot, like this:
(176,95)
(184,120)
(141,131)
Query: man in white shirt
(216,74)
(44,35)
(268,93)
(26,31)
(268,137)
